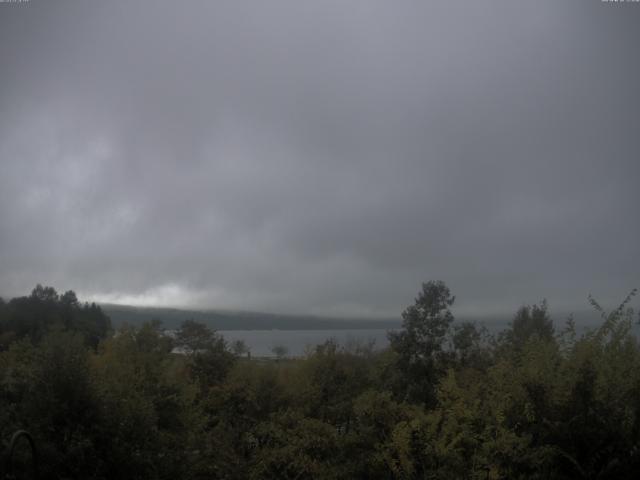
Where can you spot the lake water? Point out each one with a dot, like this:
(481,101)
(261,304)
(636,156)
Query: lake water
(261,342)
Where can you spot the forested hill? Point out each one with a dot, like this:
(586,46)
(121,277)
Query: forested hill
(172,318)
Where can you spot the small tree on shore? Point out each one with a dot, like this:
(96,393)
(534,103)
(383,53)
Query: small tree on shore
(280,351)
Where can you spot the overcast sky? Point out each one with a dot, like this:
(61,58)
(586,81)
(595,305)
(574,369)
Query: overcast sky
(321,157)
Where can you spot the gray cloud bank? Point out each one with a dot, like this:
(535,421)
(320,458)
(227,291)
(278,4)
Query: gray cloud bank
(320,157)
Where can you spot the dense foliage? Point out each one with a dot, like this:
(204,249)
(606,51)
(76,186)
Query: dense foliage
(443,401)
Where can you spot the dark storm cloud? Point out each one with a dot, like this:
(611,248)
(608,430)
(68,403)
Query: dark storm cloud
(318,156)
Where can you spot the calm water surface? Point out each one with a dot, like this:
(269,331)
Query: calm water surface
(261,342)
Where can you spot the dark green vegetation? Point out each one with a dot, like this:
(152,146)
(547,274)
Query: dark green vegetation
(446,400)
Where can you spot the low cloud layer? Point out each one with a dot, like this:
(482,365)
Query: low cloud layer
(319,157)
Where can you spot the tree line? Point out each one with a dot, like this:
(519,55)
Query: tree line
(444,400)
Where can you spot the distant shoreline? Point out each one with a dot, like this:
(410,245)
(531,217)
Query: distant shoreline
(171,318)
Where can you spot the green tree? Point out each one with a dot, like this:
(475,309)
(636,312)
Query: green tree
(420,344)
(48,390)
(151,422)
(209,358)
(530,321)
(470,345)
(280,351)
(44,310)
(333,378)
(240,348)
(294,447)
(193,337)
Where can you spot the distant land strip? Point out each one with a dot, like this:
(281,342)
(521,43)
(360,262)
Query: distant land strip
(171,318)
